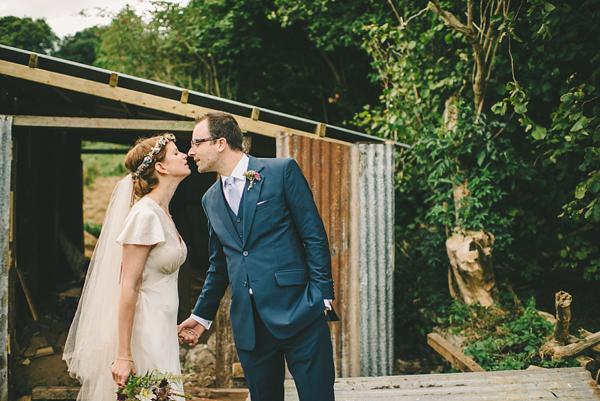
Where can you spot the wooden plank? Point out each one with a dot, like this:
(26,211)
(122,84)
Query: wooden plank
(26,291)
(320,130)
(60,344)
(452,354)
(236,371)
(44,351)
(113,80)
(103,123)
(54,393)
(255,114)
(33,60)
(569,383)
(185,94)
(139,99)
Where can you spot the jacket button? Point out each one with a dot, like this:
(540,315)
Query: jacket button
(245,284)
(238,219)
(245,253)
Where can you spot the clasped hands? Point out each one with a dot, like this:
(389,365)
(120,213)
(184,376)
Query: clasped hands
(189,331)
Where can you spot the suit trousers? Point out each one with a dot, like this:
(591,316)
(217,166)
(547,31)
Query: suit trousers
(309,356)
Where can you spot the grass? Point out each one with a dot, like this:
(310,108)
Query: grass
(102,165)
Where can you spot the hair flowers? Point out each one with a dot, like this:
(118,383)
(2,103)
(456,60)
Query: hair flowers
(149,158)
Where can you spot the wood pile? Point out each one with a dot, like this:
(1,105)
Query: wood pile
(562,345)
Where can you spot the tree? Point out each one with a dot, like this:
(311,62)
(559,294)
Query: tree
(27,34)
(81,47)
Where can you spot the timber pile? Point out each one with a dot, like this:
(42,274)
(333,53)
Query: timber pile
(563,346)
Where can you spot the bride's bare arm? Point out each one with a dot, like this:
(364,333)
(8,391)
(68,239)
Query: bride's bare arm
(134,259)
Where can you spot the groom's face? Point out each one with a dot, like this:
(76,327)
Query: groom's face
(204,153)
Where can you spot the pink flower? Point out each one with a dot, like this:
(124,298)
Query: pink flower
(251,176)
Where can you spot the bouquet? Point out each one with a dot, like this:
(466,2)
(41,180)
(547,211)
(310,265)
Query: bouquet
(153,386)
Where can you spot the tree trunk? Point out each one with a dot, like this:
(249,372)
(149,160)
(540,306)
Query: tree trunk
(471,273)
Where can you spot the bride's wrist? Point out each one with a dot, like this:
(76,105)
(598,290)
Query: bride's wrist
(123,358)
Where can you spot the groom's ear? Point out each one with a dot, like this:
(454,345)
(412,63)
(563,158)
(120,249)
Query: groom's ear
(222,144)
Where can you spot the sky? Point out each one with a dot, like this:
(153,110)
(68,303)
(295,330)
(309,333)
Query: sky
(64,17)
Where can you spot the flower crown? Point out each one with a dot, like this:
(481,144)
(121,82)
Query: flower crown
(149,158)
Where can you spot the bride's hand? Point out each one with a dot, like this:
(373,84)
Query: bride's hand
(189,331)
(121,369)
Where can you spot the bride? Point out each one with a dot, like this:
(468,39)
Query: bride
(126,321)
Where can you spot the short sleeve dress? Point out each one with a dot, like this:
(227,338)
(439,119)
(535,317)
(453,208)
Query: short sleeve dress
(154,342)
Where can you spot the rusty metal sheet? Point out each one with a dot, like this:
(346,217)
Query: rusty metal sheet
(353,189)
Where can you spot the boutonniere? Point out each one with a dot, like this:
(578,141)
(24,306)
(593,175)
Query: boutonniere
(251,176)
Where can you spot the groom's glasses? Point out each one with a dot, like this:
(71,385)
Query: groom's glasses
(197,142)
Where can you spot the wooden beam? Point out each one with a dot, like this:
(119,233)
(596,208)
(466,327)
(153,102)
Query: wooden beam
(33,60)
(320,130)
(459,360)
(255,114)
(114,80)
(103,123)
(185,94)
(55,393)
(140,99)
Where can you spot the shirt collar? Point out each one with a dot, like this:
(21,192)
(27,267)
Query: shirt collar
(238,171)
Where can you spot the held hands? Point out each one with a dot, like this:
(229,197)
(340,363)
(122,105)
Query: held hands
(189,331)
(121,369)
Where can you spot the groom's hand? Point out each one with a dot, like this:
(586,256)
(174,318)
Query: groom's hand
(189,331)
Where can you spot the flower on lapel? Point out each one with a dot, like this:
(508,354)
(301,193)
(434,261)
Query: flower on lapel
(251,176)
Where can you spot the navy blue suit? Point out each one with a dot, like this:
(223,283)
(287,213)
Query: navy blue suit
(279,248)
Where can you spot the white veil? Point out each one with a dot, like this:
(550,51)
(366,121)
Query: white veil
(92,342)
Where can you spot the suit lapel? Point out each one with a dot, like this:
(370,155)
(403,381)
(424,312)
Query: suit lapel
(221,207)
(251,196)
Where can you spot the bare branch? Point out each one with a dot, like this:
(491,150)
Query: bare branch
(396,12)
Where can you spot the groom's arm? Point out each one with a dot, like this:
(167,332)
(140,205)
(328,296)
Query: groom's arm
(310,227)
(216,281)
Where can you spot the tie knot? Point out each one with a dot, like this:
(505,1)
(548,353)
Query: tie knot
(230,180)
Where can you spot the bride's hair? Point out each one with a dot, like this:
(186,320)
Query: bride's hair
(147,180)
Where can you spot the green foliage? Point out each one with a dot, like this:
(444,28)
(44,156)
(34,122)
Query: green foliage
(27,34)
(92,228)
(81,47)
(232,49)
(102,165)
(503,339)
(560,109)
(151,386)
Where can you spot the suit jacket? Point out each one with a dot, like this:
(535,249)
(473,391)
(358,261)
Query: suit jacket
(283,255)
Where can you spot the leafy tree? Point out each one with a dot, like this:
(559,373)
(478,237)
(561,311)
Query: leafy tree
(27,34)
(81,47)
(237,50)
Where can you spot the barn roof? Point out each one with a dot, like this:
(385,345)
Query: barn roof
(67,90)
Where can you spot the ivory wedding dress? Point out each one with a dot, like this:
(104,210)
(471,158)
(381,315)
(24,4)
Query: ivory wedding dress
(92,343)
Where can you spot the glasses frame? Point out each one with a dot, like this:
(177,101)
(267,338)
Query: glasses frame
(196,142)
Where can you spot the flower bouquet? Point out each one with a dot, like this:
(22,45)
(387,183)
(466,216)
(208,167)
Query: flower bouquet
(153,386)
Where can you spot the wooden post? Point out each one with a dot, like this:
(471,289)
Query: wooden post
(226,354)
(5,251)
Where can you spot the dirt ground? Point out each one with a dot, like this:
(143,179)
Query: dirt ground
(51,370)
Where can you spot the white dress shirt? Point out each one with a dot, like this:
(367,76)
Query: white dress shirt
(240,183)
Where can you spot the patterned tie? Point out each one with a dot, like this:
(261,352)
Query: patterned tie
(233,196)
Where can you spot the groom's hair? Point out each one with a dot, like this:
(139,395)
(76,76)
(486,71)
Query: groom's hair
(223,125)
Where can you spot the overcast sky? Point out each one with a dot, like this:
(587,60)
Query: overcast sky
(64,17)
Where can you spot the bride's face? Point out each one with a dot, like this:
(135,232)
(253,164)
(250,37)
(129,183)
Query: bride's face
(175,162)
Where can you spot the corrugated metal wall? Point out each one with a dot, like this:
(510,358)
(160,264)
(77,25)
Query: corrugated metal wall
(353,189)
(5,168)
(376,260)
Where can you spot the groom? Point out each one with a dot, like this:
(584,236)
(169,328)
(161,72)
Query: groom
(268,243)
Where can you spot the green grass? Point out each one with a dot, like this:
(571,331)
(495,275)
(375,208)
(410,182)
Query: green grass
(102,165)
